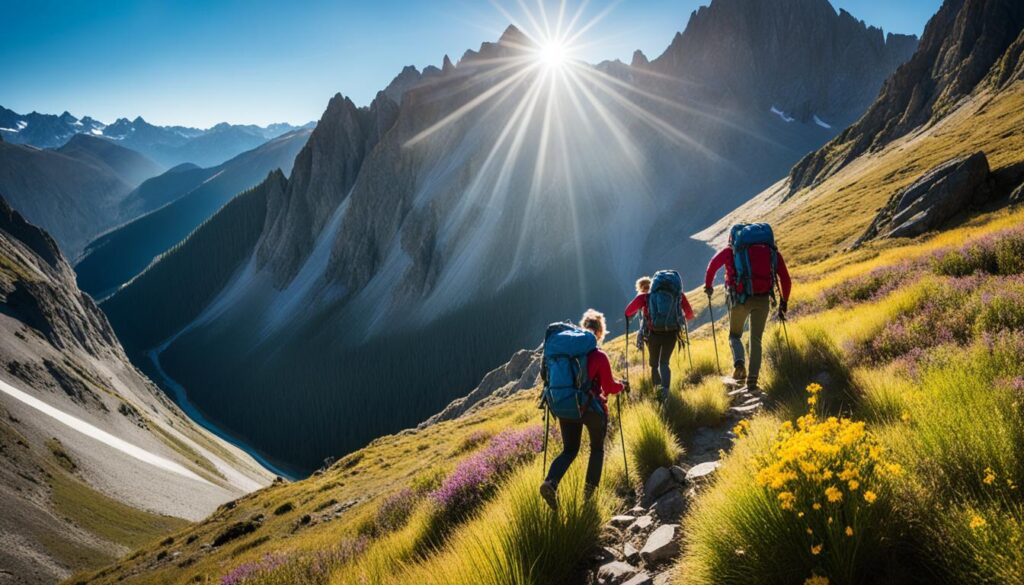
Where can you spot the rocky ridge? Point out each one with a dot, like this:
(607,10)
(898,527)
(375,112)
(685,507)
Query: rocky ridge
(966,41)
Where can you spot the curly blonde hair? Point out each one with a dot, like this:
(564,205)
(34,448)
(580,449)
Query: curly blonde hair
(593,321)
(643,284)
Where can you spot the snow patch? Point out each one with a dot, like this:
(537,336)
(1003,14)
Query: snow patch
(8,130)
(98,434)
(822,123)
(781,114)
(22,124)
(96,132)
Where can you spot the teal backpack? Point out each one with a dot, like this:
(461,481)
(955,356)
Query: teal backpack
(564,371)
(742,237)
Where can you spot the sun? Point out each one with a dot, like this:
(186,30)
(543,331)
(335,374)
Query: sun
(553,55)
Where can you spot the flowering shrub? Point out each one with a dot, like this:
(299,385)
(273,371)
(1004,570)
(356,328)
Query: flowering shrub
(827,475)
(999,253)
(392,514)
(475,477)
(307,568)
(869,287)
(248,572)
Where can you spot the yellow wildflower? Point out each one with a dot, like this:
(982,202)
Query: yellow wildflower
(853,485)
(816,506)
(786,500)
(741,428)
(870,497)
(816,580)
(849,531)
(814,388)
(816,549)
(977,522)
(833,494)
(812,400)
(990,476)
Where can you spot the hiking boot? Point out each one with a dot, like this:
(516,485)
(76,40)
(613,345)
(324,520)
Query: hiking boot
(547,491)
(740,373)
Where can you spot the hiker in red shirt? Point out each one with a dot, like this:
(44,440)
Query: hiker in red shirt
(661,341)
(750,296)
(602,384)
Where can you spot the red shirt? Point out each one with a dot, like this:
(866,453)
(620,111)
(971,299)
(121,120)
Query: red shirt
(599,370)
(640,304)
(758,255)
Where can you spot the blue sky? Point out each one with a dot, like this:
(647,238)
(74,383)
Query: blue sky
(258,61)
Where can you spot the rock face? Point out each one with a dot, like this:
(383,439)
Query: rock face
(519,373)
(746,50)
(960,46)
(933,199)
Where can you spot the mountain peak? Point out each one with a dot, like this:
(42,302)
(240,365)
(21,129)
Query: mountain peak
(639,59)
(446,64)
(513,36)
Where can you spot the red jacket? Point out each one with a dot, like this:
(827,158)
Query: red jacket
(759,256)
(599,370)
(640,304)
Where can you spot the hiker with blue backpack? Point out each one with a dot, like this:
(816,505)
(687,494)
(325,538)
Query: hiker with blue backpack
(577,378)
(665,311)
(754,269)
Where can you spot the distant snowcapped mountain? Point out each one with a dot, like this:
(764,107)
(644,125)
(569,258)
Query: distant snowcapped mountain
(167,145)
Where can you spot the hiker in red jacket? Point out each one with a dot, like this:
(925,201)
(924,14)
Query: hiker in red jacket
(754,304)
(660,344)
(602,384)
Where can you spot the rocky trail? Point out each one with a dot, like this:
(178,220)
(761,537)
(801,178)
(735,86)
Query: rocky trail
(638,546)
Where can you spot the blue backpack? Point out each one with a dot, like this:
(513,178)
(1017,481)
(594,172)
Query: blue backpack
(742,237)
(663,301)
(564,371)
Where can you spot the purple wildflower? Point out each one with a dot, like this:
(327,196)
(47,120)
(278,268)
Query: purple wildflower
(247,571)
(475,477)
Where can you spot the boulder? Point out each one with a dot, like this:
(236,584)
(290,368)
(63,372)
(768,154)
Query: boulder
(660,482)
(670,507)
(615,572)
(640,579)
(630,553)
(642,523)
(622,520)
(702,472)
(933,199)
(662,545)
(745,411)
(678,474)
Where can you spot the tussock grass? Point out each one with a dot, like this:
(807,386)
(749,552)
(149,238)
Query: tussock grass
(808,355)
(649,440)
(704,405)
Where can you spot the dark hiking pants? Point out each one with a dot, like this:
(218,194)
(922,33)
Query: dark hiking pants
(756,308)
(661,345)
(572,434)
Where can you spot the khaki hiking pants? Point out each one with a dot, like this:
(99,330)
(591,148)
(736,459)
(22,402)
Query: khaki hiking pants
(756,308)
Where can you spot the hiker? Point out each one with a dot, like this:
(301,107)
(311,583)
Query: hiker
(596,386)
(753,269)
(643,286)
(663,306)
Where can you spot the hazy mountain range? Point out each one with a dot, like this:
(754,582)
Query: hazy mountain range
(167,145)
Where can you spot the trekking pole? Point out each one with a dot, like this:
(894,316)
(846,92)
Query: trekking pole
(714,334)
(785,332)
(627,351)
(689,354)
(547,413)
(622,439)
